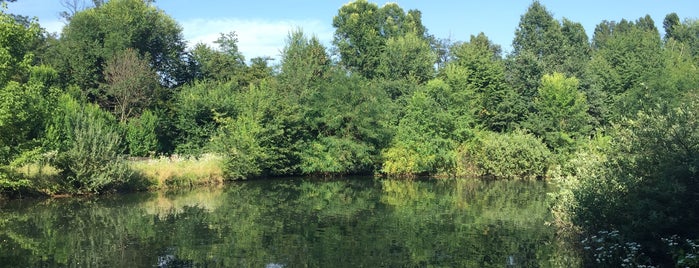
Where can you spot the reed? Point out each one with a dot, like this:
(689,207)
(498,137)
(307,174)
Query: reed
(175,171)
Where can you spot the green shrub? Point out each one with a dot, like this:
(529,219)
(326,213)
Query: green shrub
(196,109)
(416,158)
(347,120)
(653,165)
(428,133)
(588,163)
(238,143)
(506,156)
(87,145)
(636,187)
(9,184)
(23,109)
(140,134)
(647,187)
(335,155)
(262,138)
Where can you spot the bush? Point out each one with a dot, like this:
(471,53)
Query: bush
(262,138)
(587,162)
(9,184)
(413,157)
(196,109)
(334,155)
(647,187)
(23,109)
(347,120)
(428,133)
(87,145)
(633,194)
(140,134)
(505,156)
(238,142)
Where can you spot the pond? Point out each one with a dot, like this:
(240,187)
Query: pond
(349,222)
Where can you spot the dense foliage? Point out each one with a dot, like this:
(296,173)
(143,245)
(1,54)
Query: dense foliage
(639,189)
(84,142)
(610,118)
(513,155)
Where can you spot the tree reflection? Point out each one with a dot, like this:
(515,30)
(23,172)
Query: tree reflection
(357,222)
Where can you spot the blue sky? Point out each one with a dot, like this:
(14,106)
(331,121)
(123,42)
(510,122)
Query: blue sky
(262,25)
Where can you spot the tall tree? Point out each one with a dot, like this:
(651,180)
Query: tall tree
(362,30)
(554,46)
(602,32)
(25,93)
(196,107)
(561,112)
(577,51)
(685,33)
(407,57)
(425,135)
(679,78)
(493,101)
(358,37)
(628,57)
(16,47)
(441,49)
(95,35)
(348,123)
(539,34)
(75,6)
(524,73)
(262,138)
(131,84)
(646,23)
(224,63)
(670,23)
(259,70)
(538,49)
(304,63)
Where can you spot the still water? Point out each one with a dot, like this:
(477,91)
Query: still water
(359,222)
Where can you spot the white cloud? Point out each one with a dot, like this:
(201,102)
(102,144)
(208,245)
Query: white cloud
(256,38)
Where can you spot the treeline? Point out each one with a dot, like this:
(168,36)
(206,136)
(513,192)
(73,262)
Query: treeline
(612,118)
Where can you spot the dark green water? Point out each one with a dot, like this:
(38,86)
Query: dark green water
(291,223)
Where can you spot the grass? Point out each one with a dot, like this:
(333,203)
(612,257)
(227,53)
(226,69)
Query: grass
(42,178)
(175,172)
(37,171)
(149,174)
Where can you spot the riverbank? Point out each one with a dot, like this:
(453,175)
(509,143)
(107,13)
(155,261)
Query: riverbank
(154,174)
(145,174)
(176,171)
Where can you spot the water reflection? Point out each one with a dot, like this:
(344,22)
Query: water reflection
(292,223)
